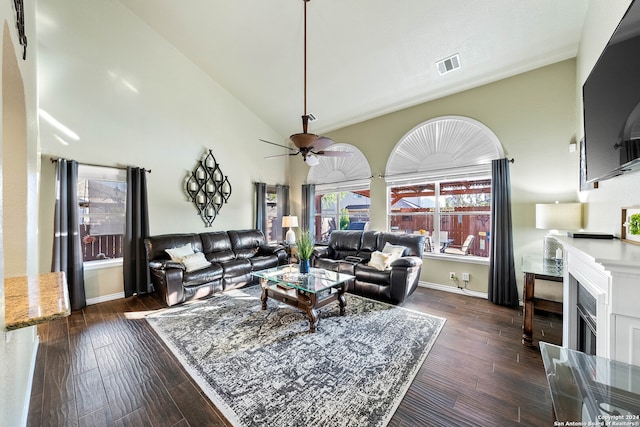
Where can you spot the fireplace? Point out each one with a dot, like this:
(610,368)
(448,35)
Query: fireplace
(586,321)
(601,315)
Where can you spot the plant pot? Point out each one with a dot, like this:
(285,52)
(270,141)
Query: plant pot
(304,266)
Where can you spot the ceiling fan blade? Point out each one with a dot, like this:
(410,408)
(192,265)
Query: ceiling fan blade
(335,153)
(278,155)
(321,143)
(279,145)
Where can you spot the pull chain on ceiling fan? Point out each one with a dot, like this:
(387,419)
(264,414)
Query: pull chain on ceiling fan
(308,144)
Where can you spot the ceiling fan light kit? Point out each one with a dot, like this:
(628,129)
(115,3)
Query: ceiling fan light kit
(309,145)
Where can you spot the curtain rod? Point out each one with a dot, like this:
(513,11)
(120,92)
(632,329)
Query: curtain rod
(52,160)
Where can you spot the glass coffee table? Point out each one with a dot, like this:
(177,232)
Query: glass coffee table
(307,292)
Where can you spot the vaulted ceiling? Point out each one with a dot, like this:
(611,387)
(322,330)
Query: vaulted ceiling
(365,57)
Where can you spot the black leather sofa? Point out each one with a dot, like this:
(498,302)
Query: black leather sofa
(233,255)
(350,252)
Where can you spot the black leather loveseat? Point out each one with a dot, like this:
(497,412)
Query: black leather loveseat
(225,260)
(354,252)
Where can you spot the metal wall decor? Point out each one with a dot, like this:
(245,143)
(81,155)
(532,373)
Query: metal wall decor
(208,188)
(22,38)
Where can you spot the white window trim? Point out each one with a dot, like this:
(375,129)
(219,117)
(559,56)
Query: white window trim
(441,175)
(102,263)
(356,185)
(467,259)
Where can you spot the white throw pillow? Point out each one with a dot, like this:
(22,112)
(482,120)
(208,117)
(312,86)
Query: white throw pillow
(395,251)
(195,262)
(380,261)
(177,253)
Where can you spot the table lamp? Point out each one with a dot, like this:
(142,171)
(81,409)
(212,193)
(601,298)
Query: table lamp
(290,221)
(557,216)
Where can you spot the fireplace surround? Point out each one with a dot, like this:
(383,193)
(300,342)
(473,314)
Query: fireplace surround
(606,275)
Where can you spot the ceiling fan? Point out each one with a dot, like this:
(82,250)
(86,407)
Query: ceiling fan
(309,145)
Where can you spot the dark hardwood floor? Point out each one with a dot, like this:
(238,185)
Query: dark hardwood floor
(104,366)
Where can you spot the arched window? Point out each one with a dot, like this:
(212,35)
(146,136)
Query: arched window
(341,192)
(439,184)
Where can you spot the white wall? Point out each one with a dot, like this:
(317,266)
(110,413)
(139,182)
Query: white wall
(19,130)
(604,204)
(132,99)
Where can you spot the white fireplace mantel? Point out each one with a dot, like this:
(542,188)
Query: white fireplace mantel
(610,271)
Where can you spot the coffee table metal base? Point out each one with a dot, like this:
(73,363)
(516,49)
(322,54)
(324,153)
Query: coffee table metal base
(307,301)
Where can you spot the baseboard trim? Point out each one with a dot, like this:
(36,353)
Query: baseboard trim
(105,298)
(453,290)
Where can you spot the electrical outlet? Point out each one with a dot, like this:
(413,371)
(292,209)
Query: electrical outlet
(465,277)
(452,275)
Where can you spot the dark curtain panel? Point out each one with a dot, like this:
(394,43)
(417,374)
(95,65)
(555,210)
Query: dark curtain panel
(502,275)
(282,195)
(261,208)
(135,269)
(67,248)
(307,222)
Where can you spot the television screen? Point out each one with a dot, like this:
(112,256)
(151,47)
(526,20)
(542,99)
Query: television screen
(611,98)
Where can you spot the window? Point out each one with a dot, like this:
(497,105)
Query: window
(340,210)
(341,192)
(274,221)
(439,183)
(102,196)
(446,211)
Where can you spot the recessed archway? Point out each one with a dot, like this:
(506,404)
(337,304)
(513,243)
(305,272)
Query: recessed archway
(14,162)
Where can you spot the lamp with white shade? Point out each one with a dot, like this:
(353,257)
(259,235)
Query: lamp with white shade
(555,217)
(290,221)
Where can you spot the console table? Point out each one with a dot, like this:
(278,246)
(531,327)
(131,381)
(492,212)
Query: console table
(537,268)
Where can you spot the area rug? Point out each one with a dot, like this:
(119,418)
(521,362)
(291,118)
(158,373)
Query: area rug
(264,368)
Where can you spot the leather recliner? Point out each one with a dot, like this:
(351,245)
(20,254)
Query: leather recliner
(233,255)
(350,251)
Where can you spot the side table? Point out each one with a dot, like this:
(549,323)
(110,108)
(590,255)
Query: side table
(537,268)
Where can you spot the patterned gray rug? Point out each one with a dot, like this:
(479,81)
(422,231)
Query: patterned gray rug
(264,368)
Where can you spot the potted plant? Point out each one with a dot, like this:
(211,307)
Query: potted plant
(305,245)
(634,224)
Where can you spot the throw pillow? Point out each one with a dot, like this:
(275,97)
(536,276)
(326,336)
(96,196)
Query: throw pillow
(178,253)
(396,251)
(195,262)
(379,261)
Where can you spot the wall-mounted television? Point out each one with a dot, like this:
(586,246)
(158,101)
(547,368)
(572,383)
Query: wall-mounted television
(611,99)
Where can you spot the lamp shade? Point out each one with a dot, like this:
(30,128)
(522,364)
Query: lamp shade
(289,221)
(559,216)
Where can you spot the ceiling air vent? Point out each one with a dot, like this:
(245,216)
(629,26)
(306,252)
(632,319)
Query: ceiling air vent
(448,64)
(312,118)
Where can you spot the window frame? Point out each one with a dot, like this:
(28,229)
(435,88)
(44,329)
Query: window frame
(469,173)
(105,174)
(277,218)
(351,187)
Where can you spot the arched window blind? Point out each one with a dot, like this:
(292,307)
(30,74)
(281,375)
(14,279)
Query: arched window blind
(450,145)
(342,173)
